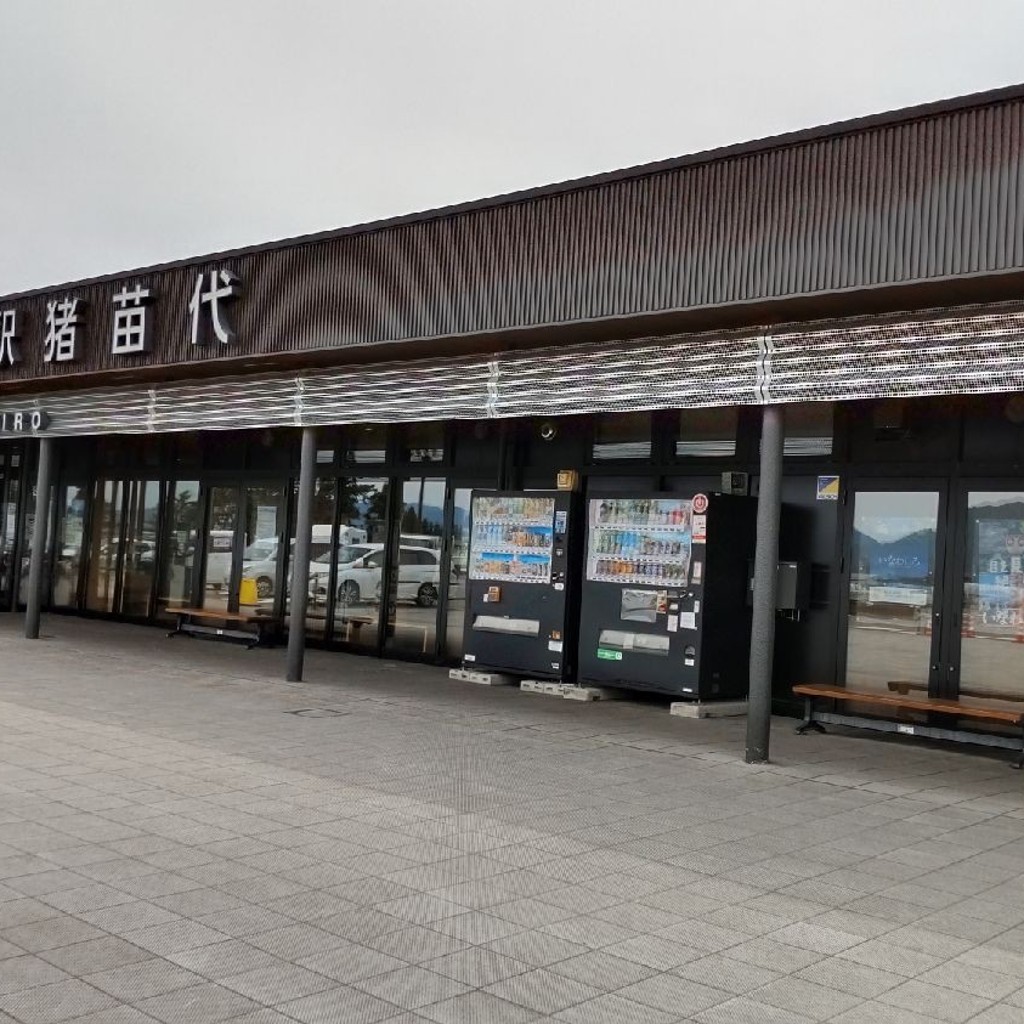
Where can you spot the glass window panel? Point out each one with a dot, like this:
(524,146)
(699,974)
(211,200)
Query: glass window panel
(104,543)
(707,433)
(219,554)
(808,429)
(423,442)
(366,445)
(992,626)
(263,536)
(29,519)
(459,541)
(622,435)
(415,586)
(180,545)
(138,565)
(321,543)
(9,525)
(357,562)
(70,545)
(891,588)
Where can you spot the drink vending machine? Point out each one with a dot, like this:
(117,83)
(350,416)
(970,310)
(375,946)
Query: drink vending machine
(663,601)
(518,583)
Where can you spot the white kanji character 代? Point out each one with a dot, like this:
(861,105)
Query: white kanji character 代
(223,286)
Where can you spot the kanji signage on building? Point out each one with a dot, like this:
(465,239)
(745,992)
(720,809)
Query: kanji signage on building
(64,333)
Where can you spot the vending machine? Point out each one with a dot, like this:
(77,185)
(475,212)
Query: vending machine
(664,594)
(518,583)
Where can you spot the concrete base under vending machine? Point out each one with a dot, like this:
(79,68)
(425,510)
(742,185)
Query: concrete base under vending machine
(708,709)
(465,675)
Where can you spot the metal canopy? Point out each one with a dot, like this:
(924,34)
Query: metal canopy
(964,351)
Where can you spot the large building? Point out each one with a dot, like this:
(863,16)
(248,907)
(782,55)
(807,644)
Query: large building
(866,277)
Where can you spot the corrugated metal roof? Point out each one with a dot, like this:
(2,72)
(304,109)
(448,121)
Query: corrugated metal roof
(928,193)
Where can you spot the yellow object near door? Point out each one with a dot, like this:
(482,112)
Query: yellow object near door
(247,592)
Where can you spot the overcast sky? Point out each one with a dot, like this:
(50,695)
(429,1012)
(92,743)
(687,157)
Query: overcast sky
(138,131)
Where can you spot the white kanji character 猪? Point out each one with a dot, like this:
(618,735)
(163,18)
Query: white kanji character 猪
(10,335)
(62,320)
(223,286)
(131,325)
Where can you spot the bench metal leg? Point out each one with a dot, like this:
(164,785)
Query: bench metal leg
(1019,763)
(809,722)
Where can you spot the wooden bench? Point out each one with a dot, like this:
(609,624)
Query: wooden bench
(896,701)
(354,624)
(254,629)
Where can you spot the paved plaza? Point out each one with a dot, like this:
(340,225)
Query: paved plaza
(185,838)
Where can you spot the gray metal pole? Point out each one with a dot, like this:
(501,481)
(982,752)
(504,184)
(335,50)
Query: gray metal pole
(766,560)
(34,598)
(300,558)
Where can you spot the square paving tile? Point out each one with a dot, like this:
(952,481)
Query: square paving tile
(95,955)
(207,1002)
(350,962)
(411,987)
(476,1008)
(273,984)
(543,991)
(340,1004)
(49,1004)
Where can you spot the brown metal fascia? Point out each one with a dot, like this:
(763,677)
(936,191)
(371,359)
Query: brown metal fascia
(788,140)
(853,306)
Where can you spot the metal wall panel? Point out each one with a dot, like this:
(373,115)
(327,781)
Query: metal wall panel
(929,198)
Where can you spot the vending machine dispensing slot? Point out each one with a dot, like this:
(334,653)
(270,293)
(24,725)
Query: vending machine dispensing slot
(514,627)
(518,582)
(663,601)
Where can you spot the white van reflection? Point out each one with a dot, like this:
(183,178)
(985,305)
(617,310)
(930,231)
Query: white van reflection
(259,559)
(359,574)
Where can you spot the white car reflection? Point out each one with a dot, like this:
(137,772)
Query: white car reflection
(359,574)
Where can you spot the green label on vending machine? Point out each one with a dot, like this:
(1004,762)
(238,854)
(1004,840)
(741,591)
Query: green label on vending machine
(607,655)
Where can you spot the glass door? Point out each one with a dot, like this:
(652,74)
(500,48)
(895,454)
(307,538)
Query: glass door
(219,579)
(138,551)
(895,575)
(414,579)
(70,546)
(986,655)
(10,481)
(458,570)
(180,546)
(243,567)
(104,545)
(263,540)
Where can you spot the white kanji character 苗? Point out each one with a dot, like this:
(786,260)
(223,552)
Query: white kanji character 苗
(131,325)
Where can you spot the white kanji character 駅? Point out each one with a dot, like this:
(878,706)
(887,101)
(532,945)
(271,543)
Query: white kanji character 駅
(10,335)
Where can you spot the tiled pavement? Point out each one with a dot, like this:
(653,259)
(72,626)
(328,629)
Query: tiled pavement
(177,844)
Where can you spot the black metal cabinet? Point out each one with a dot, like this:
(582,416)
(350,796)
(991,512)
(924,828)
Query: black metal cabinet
(663,599)
(520,585)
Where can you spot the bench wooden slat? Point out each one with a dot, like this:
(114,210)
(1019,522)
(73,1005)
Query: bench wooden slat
(909,703)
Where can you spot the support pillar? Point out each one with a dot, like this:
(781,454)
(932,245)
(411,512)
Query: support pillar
(37,556)
(300,557)
(766,559)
